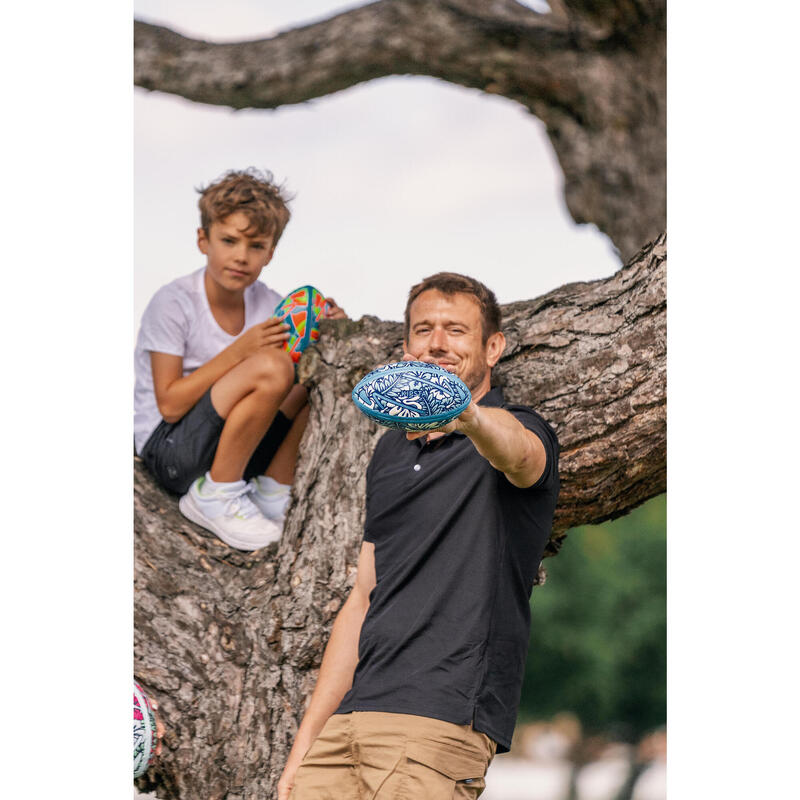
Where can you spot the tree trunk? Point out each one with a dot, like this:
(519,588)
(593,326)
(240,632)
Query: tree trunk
(230,643)
(594,71)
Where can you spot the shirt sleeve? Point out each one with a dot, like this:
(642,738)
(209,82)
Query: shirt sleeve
(537,424)
(165,324)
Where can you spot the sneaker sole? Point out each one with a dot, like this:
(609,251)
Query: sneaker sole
(191,512)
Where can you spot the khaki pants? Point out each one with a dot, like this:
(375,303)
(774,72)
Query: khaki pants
(371,755)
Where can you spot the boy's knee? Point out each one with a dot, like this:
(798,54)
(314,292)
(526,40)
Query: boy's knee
(274,368)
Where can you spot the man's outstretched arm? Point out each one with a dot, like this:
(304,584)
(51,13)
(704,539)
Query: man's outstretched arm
(338,666)
(506,444)
(502,440)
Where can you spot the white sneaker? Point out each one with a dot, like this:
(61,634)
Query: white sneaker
(271,497)
(230,514)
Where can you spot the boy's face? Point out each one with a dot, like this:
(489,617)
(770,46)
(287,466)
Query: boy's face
(235,260)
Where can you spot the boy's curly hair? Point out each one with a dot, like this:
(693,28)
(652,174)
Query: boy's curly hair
(252,192)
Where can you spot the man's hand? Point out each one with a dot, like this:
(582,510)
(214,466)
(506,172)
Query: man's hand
(498,436)
(333,311)
(286,781)
(463,422)
(272,333)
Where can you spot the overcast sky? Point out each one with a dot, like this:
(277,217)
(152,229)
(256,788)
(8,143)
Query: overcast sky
(393,180)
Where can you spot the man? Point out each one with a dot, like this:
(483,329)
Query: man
(421,678)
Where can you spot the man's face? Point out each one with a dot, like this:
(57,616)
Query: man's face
(448,330)
(235,260)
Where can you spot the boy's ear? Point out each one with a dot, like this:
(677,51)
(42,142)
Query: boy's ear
(202,241)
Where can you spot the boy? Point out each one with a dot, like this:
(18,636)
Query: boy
(218,417)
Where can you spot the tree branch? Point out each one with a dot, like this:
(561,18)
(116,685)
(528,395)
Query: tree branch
(617,16)
(594,73)
(591,357)
(456,41)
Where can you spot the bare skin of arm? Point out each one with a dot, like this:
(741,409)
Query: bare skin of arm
(505,443)
(338,666)
(500,438)
(176,395)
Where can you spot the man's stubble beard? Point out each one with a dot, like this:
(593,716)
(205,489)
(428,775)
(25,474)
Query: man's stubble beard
(475,378)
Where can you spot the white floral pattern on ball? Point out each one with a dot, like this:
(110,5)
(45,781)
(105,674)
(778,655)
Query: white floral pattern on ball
(411,396)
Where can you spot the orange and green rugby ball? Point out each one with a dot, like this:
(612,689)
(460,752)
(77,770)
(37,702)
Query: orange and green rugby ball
(301,310)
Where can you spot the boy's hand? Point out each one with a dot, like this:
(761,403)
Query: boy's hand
(333,311)
(272,333)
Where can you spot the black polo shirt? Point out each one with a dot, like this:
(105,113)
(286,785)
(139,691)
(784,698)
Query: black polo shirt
(457,548)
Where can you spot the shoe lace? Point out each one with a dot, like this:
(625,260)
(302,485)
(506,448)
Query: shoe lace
(240,505)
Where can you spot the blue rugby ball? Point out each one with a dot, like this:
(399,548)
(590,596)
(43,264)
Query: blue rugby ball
(411,396)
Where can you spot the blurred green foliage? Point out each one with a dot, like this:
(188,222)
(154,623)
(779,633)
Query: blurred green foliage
(598,631)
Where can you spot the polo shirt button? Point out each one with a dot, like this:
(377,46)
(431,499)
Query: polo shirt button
(417,467)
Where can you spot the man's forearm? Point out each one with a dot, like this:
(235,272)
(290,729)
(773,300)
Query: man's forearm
(506,444)
(335,675)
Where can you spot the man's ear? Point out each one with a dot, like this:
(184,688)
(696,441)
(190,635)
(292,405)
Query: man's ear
(495,345)
(202,241)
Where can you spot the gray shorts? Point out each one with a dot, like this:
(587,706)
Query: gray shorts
(179,452)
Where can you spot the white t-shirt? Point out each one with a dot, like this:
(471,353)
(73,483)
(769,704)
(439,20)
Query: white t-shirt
(178,321)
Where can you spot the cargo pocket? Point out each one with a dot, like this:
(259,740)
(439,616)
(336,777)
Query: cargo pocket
(438,771)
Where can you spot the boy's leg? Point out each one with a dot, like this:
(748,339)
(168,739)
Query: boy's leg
(247,398)
(271,468)
(281,468)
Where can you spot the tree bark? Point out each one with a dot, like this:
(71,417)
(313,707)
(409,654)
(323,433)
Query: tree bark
(230,643)
(594,71)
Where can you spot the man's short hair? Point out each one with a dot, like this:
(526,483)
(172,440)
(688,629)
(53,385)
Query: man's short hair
(453,283)
(252,192)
